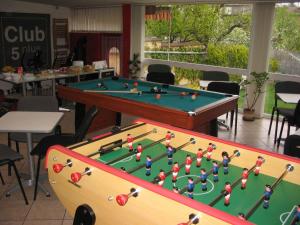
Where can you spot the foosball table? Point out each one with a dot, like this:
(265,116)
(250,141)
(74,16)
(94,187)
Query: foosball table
(151,173)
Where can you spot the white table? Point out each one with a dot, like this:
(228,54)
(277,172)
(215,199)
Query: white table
(30,122)
(289,98)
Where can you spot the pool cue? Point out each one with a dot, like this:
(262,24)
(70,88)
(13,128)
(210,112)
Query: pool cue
(133,152)
(180,166)
(198,180)
(233,185)
(117,145)
(160,157)
(112,91)
(289,168)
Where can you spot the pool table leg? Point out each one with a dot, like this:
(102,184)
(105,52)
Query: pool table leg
(214,128)
(118,119)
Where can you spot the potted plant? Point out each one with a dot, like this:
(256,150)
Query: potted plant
(134,66)
(258,80)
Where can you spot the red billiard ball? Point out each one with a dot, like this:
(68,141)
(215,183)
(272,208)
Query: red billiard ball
(182,93)
(135,83)
(157,96)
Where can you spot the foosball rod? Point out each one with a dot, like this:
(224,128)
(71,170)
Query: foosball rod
(233,185)
(180,166)
(101,151)
(161,156)
(132,153)
(198,180)
(289,168)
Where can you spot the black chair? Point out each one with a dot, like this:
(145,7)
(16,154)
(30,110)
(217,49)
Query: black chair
(293,119)
(9,157)
(41,148)
(38,104)
(289,87)
(160,73)
(231,88)
(292,146)
(215,76)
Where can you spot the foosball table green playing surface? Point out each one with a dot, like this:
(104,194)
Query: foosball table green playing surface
(152,173)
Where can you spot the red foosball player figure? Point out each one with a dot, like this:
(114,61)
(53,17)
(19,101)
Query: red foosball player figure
(260,160)
(245,175)
(227,193)
(130,142)
(210,149)
(175,170)
(139,151)
(188,163)
(241,216)
(199,157)
(175,190)
(168,138)
(162,177)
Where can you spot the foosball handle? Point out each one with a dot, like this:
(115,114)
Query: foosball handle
(84,215)
(193,219)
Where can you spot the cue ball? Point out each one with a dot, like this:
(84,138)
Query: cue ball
(157,96)
(194,96)
(99,84)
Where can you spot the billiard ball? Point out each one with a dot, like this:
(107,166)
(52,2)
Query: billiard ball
(99,85)
(194,96)
(135,83)
(183,93)
(157,96)
(125,85)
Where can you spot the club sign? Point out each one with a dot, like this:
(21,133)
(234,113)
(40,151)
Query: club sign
(22,34)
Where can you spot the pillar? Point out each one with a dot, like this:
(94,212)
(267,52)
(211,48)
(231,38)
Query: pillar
(261,33)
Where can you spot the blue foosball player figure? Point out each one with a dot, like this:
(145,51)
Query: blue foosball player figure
(225,162)
(203,178)
(215,171)
(190,187)
(267,195)
(170,152)
(148,165)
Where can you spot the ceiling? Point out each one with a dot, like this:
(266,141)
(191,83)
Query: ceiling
(93,3)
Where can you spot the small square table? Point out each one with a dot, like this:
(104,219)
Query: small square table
(30,122)
(289,98)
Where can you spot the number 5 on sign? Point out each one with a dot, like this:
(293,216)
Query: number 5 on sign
(15,54)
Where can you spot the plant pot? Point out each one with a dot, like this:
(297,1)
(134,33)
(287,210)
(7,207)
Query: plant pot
(249,115)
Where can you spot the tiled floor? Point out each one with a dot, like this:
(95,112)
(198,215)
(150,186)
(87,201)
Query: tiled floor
(49,211)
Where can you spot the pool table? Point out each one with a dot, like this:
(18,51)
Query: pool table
(181,107)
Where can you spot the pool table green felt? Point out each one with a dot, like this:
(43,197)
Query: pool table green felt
(172,99)
(282,202)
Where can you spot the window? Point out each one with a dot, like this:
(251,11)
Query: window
(114,59)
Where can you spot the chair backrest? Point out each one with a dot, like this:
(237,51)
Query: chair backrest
(215,76)
(164,78)
(297,115)
(290,87)
(38,104)
(224,87)
(159,68)
(85,123)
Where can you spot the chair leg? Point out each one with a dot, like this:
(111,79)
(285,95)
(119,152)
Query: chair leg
(37,178)
(280,135)
(271,121)
(276,127)
(8,140)
(20,182)
(288,131)
(231,118)
(236,119)
(17,147)
(1,178)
